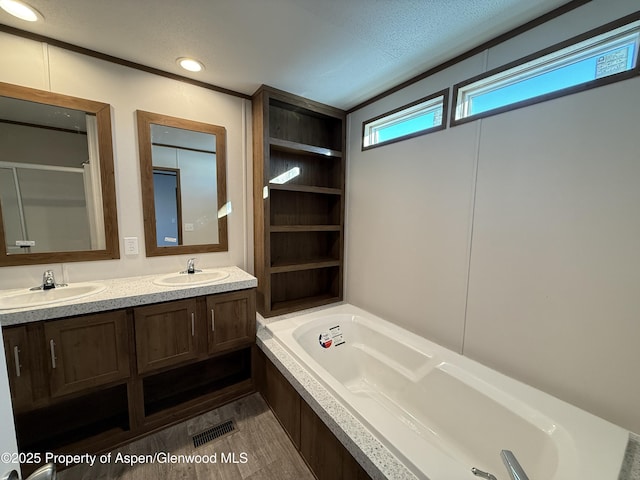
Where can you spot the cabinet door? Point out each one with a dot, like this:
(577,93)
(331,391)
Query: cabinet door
(87,351)
(165,334)
(17,353)
(231,320)
(318,446)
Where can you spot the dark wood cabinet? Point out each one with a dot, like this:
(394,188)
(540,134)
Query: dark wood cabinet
(87,351)
(85,384)
(231,321)
(283,400)
(318,446)
(299,190)
(165,334)
(18,353)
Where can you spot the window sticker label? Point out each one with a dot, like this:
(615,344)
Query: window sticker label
(611,63)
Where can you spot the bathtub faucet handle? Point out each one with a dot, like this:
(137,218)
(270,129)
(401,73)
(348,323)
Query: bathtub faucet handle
(480,473)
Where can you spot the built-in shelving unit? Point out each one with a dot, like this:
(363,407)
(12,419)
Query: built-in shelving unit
(299,170)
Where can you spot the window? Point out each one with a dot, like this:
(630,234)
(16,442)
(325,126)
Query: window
(600,59)
(423,116)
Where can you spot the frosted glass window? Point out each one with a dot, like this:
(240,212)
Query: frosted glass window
(584,64)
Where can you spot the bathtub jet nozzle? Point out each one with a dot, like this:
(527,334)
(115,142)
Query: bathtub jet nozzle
(480,473)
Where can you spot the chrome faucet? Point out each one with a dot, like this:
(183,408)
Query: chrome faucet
(513,467)
(48,281)
(191,266)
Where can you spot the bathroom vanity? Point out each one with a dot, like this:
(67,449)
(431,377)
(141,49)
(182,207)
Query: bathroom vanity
(135,358)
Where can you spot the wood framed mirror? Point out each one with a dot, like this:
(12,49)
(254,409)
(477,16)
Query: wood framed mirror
(184,185)
(57,184)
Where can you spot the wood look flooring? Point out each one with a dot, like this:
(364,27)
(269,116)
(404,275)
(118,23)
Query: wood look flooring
(258,438)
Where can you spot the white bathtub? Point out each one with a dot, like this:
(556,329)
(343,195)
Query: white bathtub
(441,413)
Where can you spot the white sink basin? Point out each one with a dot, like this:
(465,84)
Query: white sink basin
(191,279)
(33,298)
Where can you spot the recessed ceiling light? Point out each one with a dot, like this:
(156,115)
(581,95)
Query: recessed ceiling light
(190,64)
(21,10)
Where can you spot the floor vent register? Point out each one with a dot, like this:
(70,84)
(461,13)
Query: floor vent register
(214,432)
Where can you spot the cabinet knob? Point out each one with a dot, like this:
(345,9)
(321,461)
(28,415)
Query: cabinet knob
(52,347)
(193,324)
(213,321)
(16,359)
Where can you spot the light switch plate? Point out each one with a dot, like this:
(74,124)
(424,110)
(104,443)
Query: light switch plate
(131,246)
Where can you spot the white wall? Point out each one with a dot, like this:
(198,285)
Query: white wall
(32,64)
(512,239)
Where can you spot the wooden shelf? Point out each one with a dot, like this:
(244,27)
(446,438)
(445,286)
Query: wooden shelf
(304,228)
(302,303)
(289,146)
(307,265)
(305,188)
(83,419)
(176,388)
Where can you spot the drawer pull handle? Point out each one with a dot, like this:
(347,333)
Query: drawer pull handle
(52,346)
(16,359)
(213,321)
(193,324)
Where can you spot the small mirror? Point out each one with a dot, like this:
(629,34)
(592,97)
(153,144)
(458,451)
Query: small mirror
(184,196)
(57,187)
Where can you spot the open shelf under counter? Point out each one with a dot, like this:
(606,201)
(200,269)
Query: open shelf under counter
(94,418)
(196,383)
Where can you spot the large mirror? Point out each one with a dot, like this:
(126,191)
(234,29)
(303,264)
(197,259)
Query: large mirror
(184,195)
(57,186)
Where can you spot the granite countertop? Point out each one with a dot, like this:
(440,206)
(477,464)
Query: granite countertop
(378,461)
(126,292)
(375,458)
(631,465)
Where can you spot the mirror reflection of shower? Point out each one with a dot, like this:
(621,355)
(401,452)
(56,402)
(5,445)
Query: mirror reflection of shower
(50,182)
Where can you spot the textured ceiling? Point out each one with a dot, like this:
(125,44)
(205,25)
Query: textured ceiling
(339,52)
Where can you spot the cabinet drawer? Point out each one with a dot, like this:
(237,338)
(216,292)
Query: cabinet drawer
(88,351)
(165,334)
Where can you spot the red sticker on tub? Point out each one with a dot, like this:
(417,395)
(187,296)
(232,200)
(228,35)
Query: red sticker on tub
(325,340)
